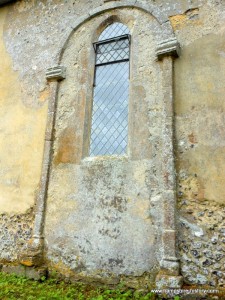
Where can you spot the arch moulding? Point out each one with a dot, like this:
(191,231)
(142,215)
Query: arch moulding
(166,51)
(153,10)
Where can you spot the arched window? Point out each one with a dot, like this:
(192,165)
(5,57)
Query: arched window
(109,127)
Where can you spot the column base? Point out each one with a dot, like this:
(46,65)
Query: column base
(170,266)
(169,275)
(33,255)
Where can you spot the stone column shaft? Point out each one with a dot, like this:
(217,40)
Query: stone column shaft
(40,203)
(34,254)
(169,275)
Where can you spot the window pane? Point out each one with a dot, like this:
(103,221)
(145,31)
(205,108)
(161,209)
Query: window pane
(113,30)
(113,51)
(110,110)
(110,104)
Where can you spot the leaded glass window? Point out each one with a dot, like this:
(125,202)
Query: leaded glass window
(109,127)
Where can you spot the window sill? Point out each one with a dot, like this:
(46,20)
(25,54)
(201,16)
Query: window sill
(105,158)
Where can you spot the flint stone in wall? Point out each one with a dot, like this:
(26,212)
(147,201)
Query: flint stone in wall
(202,257)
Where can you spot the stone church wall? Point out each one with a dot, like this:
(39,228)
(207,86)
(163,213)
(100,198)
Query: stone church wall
(32,34)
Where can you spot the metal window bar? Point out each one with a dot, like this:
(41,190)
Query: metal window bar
(110,102)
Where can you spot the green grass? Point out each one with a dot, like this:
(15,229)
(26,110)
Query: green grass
(20,288)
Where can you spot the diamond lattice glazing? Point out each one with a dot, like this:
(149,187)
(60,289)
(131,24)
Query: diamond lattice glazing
(110,105)
(113,51)
(114,30)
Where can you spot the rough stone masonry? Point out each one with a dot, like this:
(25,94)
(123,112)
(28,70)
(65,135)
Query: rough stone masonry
(153,216)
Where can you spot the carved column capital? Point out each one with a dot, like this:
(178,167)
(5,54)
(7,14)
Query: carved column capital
(169,47)
(56,73)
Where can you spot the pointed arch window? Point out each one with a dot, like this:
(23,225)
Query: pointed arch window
(109,129)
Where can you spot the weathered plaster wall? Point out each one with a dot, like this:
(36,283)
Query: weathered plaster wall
(21,142)
(199,104)
(31,34)
(200,138)
(117,197)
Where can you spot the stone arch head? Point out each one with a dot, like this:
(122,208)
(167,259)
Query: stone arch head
(114,19)
(152,9)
